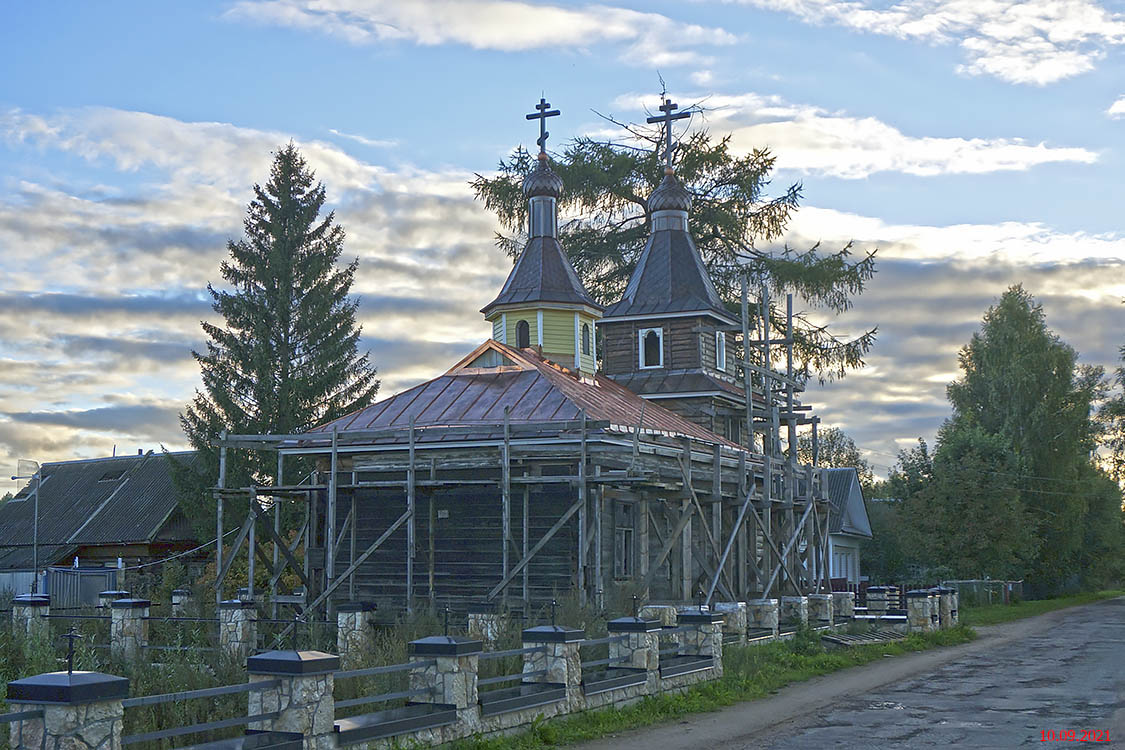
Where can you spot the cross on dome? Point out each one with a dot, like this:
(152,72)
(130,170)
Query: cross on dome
(544,111)
(668,108)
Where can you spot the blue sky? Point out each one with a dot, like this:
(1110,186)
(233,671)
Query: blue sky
(975,144)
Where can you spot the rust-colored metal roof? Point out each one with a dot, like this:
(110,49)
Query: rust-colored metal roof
(534,390)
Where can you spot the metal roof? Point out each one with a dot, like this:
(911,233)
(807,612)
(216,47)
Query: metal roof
(125,499)
(669,278)
(533,389)
(673,383)
(847,513)
(542,273)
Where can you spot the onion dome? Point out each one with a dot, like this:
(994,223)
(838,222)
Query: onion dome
(670,195)
(542,181)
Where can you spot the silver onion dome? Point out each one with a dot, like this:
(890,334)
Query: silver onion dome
(542,181)
(670,195)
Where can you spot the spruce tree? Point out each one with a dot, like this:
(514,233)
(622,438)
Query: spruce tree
(286,355)
(733,218)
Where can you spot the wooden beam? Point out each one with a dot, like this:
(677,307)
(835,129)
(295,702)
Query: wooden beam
(538,546)
(286,550)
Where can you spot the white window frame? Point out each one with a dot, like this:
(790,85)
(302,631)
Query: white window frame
(720,351)
(641,335)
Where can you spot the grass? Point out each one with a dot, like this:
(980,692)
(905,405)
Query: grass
(994,614)
(750,672)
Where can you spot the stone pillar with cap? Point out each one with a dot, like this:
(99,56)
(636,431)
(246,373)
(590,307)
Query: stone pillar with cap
(303,701)
(452,677)
(128,627)
(80,710)
(795,610)
(181,602)
(355,631)
(918,611)
(954,599)
(238,628)
(704,636)
(935,608)
(638,647)
(843,605)
(820,610)
(734,622)
(29,615)
(559,658)
(763,614)
(877,600)
(106,598)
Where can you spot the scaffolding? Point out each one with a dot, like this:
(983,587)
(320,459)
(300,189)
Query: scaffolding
(586,505)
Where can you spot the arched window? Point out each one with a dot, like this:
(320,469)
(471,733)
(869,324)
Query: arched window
(523,334)
(586,339)
(652,347)
(720,351)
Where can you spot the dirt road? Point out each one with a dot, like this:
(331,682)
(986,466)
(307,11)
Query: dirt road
(1061,671)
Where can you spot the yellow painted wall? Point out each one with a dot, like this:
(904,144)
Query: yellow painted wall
(586,361)
(514,317)
(558,334)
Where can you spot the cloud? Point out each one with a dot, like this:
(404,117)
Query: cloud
(1019,41)
(811,139)
(364,140)
(644,38)
(1117,109)
(132,419)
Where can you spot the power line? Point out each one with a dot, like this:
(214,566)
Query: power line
(179,554)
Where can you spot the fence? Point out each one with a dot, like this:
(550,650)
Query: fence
(984,592)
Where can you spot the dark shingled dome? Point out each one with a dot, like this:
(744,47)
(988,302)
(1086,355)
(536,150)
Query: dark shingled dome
(542,181)
(670,195)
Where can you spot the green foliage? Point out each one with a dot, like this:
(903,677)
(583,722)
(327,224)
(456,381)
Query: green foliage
(994,614)
(285,357)
(606,198)
(836,449)
(1112,421)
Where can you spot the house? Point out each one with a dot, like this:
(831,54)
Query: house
(96,510)
(848,525)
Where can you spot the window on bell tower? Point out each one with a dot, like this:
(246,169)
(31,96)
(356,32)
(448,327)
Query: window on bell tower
(586,339)
(651,341)
(523,335)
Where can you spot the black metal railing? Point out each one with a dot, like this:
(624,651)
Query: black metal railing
(161,734)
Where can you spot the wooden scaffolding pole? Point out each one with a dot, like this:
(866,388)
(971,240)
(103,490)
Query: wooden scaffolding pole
(506,494)
(410,482)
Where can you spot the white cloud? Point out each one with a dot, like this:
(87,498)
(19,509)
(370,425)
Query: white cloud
(808,138)
(1117,109)
(1019,41)
(506,25)
(364,140)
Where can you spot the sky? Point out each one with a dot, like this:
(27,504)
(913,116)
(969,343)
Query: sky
(974,144)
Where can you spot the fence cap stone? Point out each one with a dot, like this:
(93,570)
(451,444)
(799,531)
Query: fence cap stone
(32,600)
(763,602)
(181,592)
(130,603)
(68,688)
(917,594)
(113,594)
(445,645)
(236,604)
(553,634)
(292,663)
(632,625)
(700,617)
(356,607)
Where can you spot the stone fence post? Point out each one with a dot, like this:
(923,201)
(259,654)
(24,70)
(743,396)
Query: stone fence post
(935,608)
(453,678)
(128,627)
(665,614)
(560,658)
(762,614)
(640,647)
(918,611)
(954,598)
(29,615)
(80,710)
(843,604)
(304,698)
(704,636)
(735,618)
(795,610)
(820,610)
(877,600)
(355,632)
(181,600)
(238,628)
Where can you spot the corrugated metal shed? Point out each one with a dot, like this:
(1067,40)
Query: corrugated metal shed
(669,278)
(534,390)
(121,500)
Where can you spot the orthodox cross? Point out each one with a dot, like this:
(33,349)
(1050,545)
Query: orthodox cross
(668,108)
(71,636)
(544,111)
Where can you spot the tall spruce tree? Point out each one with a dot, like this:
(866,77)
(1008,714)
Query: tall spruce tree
(285,357)
(608,183)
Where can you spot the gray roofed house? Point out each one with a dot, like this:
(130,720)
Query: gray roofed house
(97,509)
(848,524)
